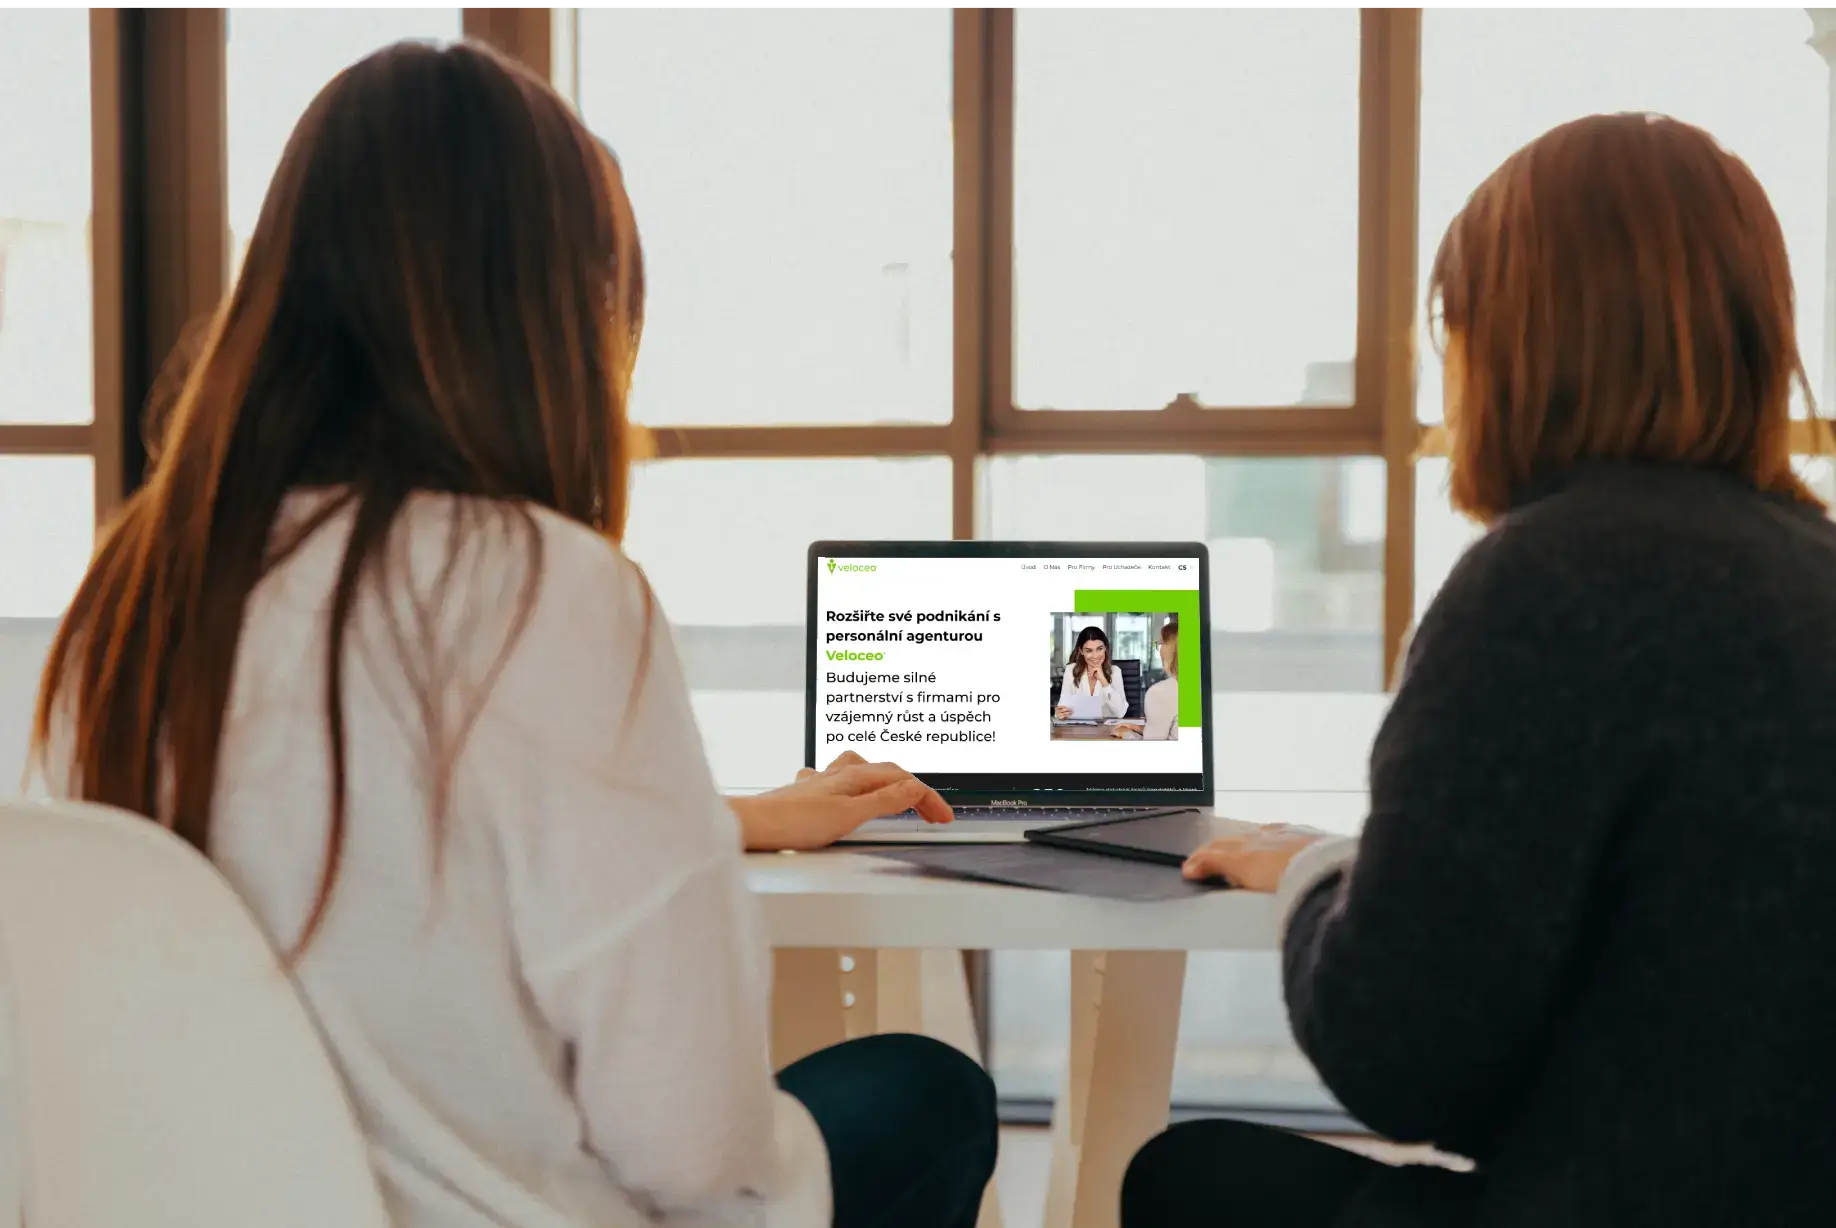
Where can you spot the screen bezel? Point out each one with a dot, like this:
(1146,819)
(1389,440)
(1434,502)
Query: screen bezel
(1008,789)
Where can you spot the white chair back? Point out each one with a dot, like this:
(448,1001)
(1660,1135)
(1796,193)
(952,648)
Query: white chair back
(160,1070)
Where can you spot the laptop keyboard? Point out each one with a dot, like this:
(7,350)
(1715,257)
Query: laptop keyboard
(1050,814)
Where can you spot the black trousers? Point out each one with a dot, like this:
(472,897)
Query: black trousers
(910,1127)
(1230,1174)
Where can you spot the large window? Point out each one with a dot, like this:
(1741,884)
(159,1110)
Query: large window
(1185,207)
(47,397)
(791,173)
(723,543)
(1494,79)
(44,218)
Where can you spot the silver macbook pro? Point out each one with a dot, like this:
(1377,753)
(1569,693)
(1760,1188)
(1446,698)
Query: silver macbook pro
(1030,683)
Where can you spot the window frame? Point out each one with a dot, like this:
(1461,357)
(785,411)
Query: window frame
(161,262)
(984,419)
(158,232)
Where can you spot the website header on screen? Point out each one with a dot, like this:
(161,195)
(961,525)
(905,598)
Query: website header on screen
(1042,669)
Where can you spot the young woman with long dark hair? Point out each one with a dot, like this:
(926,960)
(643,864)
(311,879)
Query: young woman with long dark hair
(365,636)
(1092,687)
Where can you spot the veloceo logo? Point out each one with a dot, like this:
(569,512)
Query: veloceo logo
(833,568)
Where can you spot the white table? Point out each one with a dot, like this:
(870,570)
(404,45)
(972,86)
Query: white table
(866,945)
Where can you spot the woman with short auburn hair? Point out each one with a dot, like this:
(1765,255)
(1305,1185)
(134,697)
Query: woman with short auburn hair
(1616,291)
(1585,939)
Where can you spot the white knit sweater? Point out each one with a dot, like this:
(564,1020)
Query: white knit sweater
(559,1020)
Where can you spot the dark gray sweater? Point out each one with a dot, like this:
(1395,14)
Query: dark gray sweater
(1589,939)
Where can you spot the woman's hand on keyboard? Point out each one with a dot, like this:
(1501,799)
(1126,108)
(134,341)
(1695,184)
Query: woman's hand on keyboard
(1253,859)
(822,807)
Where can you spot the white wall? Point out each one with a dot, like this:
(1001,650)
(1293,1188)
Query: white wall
(23,645)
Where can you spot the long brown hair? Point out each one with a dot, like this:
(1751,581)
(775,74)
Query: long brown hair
(1617,290)
(444,293)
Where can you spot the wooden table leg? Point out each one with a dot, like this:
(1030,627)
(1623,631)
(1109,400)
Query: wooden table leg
(923,992)
(942,985)
(881,992)
(1118,1080)
(806,1004)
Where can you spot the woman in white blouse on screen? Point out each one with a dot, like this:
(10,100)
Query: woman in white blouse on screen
(1092,689)
(367,639)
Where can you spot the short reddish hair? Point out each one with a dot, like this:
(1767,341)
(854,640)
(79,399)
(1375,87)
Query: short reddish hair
(1617,290)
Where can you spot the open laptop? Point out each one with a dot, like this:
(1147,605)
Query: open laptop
(965,663)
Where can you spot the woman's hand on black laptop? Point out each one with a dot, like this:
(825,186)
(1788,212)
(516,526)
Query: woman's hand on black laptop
(822,807)
(1254,859)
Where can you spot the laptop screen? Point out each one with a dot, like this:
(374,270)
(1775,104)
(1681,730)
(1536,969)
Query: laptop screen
(1043,672)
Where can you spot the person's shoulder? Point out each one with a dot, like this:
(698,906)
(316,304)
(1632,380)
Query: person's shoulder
(1592,521)
(1628,527)
(587,581)
(1531,575)
(511,533)
(1618,554)
(560,621)
(564,580)
(579,551)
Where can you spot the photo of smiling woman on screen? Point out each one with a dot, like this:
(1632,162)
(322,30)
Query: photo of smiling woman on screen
(1093,687)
